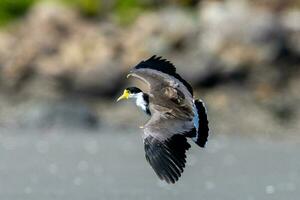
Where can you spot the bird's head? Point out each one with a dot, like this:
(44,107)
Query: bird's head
(130,92)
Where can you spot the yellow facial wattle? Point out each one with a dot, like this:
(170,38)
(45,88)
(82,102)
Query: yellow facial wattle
(125,95)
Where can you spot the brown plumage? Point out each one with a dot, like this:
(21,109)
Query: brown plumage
(174,116)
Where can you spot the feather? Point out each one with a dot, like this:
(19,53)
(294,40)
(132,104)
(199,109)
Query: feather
(167,158)
(164,66)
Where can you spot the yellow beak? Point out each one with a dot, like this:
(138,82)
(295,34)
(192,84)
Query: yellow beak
(125,95)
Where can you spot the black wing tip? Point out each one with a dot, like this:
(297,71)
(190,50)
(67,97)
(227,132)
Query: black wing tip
(167,158)
(163,65)
(203,130)
(158,63)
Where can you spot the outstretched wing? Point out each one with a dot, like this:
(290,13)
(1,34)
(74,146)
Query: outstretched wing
(167,158)
(171,106)
(165,144)
(166,88)
(163,66)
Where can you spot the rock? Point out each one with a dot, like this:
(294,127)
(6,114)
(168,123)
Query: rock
(290,21)
(158,33)
(237,33)
(63,46)
(253,42)
(240,55)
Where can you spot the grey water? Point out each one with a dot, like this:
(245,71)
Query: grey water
(109,164)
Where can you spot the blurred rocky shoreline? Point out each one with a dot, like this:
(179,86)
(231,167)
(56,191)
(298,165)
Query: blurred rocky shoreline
(58,68)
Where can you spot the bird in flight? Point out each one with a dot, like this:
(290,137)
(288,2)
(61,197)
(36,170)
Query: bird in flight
(174,116)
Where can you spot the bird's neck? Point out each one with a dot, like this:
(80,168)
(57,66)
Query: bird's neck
(142,101)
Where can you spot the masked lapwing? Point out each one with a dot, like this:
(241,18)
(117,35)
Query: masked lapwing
(174,116)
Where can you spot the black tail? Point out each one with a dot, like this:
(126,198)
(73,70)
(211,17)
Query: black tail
(202,134)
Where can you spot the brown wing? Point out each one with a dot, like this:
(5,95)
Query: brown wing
(166,91)
(171,106)
(171,102)
(164,66)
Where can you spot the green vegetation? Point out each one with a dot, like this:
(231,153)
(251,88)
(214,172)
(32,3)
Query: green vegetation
(123,11)
(90,8)
(126,11)
(12,9)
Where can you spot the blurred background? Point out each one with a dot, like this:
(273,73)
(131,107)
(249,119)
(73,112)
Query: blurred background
(63,63)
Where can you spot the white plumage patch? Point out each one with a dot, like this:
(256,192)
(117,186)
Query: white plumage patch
(140,102)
